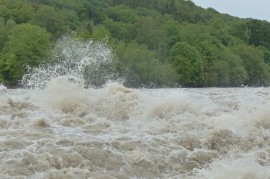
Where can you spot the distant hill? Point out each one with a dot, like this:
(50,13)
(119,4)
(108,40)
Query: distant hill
(156,43)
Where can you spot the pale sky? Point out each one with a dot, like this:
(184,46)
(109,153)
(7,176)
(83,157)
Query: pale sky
(256,9)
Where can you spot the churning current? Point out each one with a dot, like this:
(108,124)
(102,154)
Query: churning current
(58,129)
(65,131)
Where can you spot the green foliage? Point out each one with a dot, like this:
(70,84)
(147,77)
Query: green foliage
(266,54)
(117,29)
(173,32)
(101,33)
(259,33)
(122,14)
(236,71)
(149,32)
(25,46)
(186,60)
(228,70)
(253,61)
(20,11)
(85,30)
(5,28)
(141,67)
(4,11)
(55,21)
(161,42)
(9,68)
(239,30)
(208,50)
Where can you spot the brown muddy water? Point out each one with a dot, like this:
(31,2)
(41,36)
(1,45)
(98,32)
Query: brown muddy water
(67,132)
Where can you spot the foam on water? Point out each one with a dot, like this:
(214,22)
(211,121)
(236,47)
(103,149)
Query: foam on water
(3,89)
(65,130)
(241,168)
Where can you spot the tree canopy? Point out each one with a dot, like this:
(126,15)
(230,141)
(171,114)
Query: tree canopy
(155,42)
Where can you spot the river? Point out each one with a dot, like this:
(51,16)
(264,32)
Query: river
(65,131)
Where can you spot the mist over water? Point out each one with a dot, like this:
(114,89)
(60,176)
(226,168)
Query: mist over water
(59,129)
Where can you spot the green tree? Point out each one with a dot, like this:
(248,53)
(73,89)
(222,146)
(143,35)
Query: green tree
(55,21)
(188,64)
(117,29)
(236,70)
(194,34)
(208,50)
(253,61)
(85,29)
(4,11)
(122,13)
(5,28)
(101,33)
(239,30)
(22,12)
(140,66)
(150,31)
(172,32)
(2,32)
(8,68)
(258,32)
(26,46)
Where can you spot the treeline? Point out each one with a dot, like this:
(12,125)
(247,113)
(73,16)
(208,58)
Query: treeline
(156,42)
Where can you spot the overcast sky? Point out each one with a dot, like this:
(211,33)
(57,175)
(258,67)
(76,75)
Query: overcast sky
(257,9)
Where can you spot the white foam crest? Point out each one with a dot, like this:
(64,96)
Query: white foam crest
(114,101)
(172,106)
(89,62)
(66,94)
(240,168)
(3,89)
(168,106)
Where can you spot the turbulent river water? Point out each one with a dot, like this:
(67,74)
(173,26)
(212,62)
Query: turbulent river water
(64,131)
(55,128)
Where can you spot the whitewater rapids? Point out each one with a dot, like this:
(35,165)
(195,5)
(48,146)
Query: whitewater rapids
(65,131)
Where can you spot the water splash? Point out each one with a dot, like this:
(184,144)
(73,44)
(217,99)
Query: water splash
(83,63)
(3,89)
